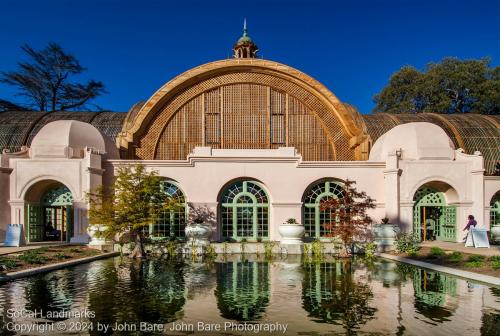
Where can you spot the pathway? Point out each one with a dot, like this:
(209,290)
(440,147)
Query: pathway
(493,250)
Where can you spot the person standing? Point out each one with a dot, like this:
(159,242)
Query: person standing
(471,223)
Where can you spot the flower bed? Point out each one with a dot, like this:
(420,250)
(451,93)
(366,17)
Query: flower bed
(43,256)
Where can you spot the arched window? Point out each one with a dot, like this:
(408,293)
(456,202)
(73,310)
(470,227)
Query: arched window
(244,211)
(172,222)
(495,210)
(314,219)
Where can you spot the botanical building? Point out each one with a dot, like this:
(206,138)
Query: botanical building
(257,142)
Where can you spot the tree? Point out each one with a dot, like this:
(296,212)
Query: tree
(132,202)
(44,81)
(349,218)
(451,86)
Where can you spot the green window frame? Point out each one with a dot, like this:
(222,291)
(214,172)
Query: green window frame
(495,210)
(244,211)
(314,219)
(172,222)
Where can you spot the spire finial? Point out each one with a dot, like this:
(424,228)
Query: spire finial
(245,27)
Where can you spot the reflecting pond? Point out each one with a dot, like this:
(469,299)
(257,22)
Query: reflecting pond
(248,296)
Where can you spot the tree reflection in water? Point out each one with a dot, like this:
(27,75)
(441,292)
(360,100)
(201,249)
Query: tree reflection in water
(138,291)
(332,293)
(51,292)
(242,289)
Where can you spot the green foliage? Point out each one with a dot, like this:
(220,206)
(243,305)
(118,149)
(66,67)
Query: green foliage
(317,249)
(495,258)
(268,249)
(210,252)
(474,264)
(407,243)
(476,258)
(8,263)
(452,86)
(75,250)
(370,249)
(412,254)
(134,201)
(495,264)
(436,252)
(171,247)
(32,257)
(60,255)
(259,239)
(456,257)
(291,221)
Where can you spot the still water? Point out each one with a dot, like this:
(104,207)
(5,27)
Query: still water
(247,296)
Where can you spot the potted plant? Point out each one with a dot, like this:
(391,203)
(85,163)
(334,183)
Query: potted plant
(199,229)
(291,232)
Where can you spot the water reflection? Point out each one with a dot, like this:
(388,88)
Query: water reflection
(242,289)
(138,291)
(332,293)
(331,296)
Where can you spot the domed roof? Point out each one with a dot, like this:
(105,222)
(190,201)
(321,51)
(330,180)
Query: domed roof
(55,137)
(416,140)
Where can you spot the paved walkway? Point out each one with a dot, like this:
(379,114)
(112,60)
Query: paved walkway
(493,250)
(8,249)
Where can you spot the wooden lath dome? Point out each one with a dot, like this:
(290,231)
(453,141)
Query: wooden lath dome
(247,104)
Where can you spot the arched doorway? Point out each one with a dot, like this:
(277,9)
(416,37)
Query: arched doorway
(244,211)
(313,218)
(172,222)
(433,217)
(49,212)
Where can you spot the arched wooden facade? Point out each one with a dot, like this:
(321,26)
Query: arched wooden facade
(250,104)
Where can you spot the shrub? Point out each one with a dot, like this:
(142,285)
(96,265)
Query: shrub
(407,243)
(495,258)
(476,258)
(436,252)
(268,249)
(456,257)
(32,257)
(8,263)
(370,250)
(60,255)
(259,239)
(495,265)
(473,264)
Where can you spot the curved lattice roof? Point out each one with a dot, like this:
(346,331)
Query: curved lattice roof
(18,128)
(472,132)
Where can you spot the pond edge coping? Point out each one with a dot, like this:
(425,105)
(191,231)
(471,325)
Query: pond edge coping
(52,267)
(488,279)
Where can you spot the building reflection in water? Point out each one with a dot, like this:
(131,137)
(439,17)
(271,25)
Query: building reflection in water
(431,293)
(331,293)
(242,290)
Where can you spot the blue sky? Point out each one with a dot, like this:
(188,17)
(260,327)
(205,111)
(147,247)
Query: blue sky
(352,47)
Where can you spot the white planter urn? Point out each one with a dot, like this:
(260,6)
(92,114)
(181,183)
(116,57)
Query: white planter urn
(291,233)
(385,235)
(495,233)
(94,240)
(198,234)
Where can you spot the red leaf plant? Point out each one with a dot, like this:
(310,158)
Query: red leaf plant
(349,220)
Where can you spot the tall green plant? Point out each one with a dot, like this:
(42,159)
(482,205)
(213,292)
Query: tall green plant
(132,202)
